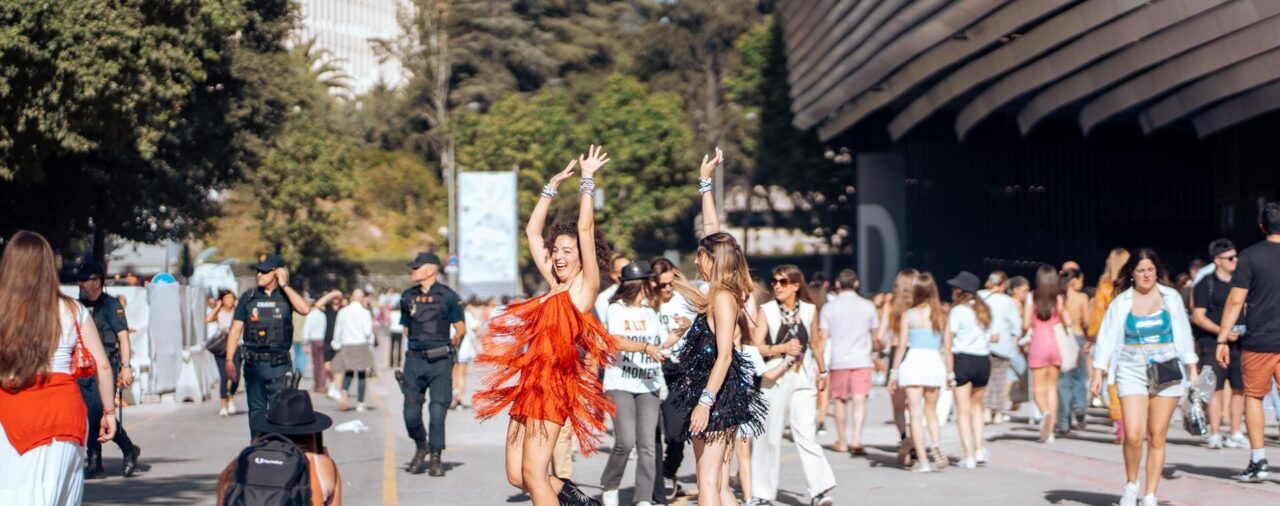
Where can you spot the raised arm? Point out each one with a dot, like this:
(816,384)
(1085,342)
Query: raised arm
(710,219)
(538,220)
(595,159)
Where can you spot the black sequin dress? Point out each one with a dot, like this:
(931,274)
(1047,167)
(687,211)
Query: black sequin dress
(738,404)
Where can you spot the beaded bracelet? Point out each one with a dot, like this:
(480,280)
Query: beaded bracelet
(587,186)
(704,185)
(549,191)
(707,398)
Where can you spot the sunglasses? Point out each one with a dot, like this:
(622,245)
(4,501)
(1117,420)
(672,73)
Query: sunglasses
(1231,258)
(781,282)
(664,286)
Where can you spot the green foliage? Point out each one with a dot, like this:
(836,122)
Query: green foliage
(398,204)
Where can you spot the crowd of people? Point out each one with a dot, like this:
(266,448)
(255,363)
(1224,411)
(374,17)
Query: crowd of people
(659,360)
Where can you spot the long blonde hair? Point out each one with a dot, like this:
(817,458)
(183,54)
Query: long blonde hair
(32,323)
(728,273)
(1115,261)
(901,296)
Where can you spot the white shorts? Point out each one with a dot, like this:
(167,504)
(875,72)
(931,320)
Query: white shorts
(922,368)
(1131,371)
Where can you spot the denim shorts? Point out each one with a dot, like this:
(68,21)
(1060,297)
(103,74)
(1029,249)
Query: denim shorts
(1131,371)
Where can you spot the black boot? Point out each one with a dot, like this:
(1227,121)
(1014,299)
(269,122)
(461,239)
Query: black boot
(94,470)
(131,460)
(418,464)
(571,495)
(436,468)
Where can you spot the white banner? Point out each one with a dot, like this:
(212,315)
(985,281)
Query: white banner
(487,234)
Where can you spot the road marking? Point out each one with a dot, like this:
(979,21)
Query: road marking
(389,495)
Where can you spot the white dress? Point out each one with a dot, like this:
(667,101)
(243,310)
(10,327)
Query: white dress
(52,474)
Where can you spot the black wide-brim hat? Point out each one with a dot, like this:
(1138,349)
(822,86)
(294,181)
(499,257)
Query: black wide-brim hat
(638,269)
(290,413)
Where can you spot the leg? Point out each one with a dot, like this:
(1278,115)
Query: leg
(347,376)
(1255,422)
(539,443)
(859,418)
(93,401)
(1160,412)
(964,419)
(1134,408)
(460,383)
(804,430)
(823,402)
(1039,390)
(915,406)
(361,377)
(255,386)
(562,456)
(931,415)
(1051,375)
(440,381)
(1237,411)
(220,362)
(841,414)
(979,423)
(1215,413)
(726,493)
(624,439)
(899,401)
(767,453)
(646,438)
(710,465)
(743,449)
(414,388)
(238,362)
(317,366)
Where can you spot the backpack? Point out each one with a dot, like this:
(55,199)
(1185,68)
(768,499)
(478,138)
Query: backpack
(270,471)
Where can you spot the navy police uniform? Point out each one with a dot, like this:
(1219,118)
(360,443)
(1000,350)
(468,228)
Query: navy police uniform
(266,340)
(108,317)
(428,365)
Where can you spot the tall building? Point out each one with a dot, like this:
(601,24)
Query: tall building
(345,29)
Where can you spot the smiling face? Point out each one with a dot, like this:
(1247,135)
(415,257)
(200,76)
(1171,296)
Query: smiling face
(1144,275)
(566,261)
(228,299)
(1227,261)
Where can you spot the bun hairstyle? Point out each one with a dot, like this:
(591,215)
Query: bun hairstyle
(604,255)
(728,273)
(996,279)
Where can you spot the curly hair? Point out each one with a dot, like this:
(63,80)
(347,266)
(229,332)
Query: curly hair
(604,254)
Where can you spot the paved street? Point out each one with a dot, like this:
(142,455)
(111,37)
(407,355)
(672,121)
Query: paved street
(185,446)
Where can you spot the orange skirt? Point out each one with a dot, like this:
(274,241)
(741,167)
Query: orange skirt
(552,351)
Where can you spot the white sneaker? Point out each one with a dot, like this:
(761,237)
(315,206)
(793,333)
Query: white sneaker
(222,412)
(644,503)
(969,463)
(610,498)
(981,457)
(1215,441)
(231,408)
(360,407)
(1150,500)
(922,466)
(1130,496)
(1237,440)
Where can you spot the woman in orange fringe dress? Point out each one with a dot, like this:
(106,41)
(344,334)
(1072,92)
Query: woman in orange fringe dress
(551,347)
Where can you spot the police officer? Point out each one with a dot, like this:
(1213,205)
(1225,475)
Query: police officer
(108,317)
(264,317)
(426,312)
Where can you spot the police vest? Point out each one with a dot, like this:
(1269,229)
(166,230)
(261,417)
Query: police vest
(428,320)
(101,312)
(264,326)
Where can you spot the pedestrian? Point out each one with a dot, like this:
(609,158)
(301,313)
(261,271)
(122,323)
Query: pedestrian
(922,365)
(330,328)
(1006,322)
(1256,284)
(113,329)
(1073,385)
(1019,374)
(764,375)
(1101,301)
(847,323)
(676,316)
(466,350)
(396,329)
(263,318)
(1209,298)
(1146,349)
(790,318)
(291,415)
(314,327)
(972,334)
(1046,310)
(717,389)
(554,346)
(353,341)
(223,311)
(821,293)
(43,417)
(634,381)
(432,316)
(896,303)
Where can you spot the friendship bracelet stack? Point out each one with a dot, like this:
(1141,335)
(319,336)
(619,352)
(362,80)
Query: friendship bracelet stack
(549,191)
(587,186)
(707,398)
(704,186)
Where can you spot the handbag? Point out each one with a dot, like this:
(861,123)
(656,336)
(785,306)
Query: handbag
(1162,375)
(1068,348)
(82,363)
(217,345)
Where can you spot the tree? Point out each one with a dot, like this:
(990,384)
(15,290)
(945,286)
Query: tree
(134,112)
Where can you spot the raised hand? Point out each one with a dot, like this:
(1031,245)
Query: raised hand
(595,159)
(562,175)
(282,277)
(709,165)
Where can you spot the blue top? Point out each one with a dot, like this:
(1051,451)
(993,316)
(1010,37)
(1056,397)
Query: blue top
(923,338)
(1155,328)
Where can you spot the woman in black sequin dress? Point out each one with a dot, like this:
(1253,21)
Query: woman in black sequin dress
(717,388)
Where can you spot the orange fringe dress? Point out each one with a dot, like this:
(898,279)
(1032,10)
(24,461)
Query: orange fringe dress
(548,345)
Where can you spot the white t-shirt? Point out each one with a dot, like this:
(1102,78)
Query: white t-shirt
(635,372)
(753,357)
(1006,321)
(314,325)
(851,322)
(968,335)
(670,311)
(353,327)
(602,303)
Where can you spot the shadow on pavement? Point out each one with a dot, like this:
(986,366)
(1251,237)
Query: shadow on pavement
(1076,496)
(186,489)
(1224,473)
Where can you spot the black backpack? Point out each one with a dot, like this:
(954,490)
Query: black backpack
(271,471)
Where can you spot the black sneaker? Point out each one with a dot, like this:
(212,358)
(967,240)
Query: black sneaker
(1256,472)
